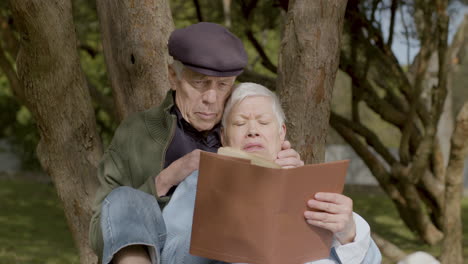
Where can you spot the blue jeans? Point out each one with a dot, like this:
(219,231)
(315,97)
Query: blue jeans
(132,217)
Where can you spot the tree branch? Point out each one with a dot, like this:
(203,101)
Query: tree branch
(451,247)
(376,166)
(439,94)
(371,138)
(388,249)
(15,84)
(198,9)
(251,76)
(393,10)
(266,62)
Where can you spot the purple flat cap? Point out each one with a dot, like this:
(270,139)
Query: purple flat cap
(209,49)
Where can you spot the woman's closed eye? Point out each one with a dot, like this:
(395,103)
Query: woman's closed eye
(239,123)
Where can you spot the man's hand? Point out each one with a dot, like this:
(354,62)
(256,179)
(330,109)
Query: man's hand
(288,157)
(177,172)
(335,214)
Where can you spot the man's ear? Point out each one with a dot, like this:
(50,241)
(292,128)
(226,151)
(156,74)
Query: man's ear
(172,77)
(283,133)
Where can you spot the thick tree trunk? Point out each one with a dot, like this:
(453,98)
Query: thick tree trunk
(452,249)
(308,62)
(56,94)
(134,37)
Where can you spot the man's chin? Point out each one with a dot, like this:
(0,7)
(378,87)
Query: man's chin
(203,126)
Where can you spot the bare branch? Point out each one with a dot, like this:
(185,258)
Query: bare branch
(251,76)
(393,10)
(388,249)
(198,9)
(375,165)
(371,138)
(265,60)
(439,94)
(8,69)
(421,69)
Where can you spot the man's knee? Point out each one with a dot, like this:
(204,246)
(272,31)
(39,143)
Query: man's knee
(135,254)
(126,199)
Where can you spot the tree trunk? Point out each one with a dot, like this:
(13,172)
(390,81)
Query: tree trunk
(134,37)
(308,62)
(56,94)
(452,249)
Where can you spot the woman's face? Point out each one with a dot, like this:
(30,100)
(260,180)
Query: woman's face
(252,126)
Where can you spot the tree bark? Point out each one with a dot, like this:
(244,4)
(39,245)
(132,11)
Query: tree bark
(308,62)
(134,37)
(56,94)
(452,249)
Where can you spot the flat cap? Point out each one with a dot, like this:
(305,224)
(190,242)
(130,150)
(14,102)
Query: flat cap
(209,49)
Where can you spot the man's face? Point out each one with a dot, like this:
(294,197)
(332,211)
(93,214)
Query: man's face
(253,127)
(200,98)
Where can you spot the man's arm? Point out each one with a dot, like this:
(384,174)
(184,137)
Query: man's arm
(176,172)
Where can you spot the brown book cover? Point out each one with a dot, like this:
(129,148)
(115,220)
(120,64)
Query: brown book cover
(254,214)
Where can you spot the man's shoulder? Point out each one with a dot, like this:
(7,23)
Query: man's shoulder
(141,125)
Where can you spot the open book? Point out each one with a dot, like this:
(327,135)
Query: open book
(248,210)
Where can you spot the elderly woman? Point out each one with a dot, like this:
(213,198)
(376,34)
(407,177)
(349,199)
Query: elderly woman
(253,121)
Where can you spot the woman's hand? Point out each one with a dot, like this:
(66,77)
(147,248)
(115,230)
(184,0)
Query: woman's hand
(288,157)
(333,212)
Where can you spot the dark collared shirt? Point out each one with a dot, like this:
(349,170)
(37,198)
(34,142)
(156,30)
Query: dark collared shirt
(186,139)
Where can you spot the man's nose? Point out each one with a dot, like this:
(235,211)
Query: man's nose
(209,97)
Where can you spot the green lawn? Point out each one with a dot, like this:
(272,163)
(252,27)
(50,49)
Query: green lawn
(383,218)
(33,228)
(32,225)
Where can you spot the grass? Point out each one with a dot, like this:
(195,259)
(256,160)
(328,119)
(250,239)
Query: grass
(32,225)
(33,228)
(383,218)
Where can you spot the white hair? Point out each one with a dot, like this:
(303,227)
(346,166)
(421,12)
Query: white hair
(178,67)
(244,90)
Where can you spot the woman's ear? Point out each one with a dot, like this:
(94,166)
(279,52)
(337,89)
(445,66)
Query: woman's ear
(283,133)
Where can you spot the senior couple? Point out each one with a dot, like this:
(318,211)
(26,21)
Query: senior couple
(143,208)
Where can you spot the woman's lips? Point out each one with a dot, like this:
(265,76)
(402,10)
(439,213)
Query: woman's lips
(252,147)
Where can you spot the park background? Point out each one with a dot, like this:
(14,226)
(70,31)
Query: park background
(33,226)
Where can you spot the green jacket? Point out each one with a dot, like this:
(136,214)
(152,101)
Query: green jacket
(134,158)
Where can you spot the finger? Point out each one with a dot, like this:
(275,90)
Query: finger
(322,216)
(288,153)
(333,227)
(335,198)
(327,207)
(289,162)
(286,145)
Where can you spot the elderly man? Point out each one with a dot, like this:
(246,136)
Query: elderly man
(253,122)
(153,151)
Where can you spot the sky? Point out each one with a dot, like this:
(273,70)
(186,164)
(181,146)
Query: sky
(400,47)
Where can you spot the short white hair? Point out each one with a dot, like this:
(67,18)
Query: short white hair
(244,90)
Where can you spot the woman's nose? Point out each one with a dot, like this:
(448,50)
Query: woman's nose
(252,132)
